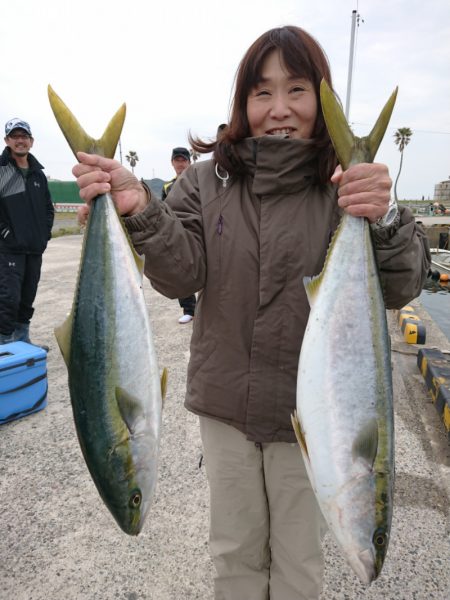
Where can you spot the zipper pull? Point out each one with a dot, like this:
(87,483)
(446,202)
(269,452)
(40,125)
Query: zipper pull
(223,178)
(219,227)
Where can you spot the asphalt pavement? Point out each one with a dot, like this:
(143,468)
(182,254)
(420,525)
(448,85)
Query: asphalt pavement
(59,541)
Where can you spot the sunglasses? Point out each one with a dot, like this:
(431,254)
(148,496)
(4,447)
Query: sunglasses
(18,136)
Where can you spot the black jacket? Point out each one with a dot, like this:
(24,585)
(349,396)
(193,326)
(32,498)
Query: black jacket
(26,209)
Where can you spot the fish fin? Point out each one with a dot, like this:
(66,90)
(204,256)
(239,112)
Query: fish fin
(379,129)
(75,135)
(63,334)
(341,135)
(312,285)
(299,433)
(365,445)
(140,261)
(129,407)
(164,384)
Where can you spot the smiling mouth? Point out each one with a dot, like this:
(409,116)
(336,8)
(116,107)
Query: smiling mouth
(281,131)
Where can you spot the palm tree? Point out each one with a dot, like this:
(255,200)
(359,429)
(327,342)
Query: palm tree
(132,158)
(194,154)
(402,137)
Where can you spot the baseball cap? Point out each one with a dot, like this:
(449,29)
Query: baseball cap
(17,124)
(184,152)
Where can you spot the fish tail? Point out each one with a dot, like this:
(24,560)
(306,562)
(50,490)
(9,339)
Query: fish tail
(339,130)
(75,135)
(342,137)
(379,129)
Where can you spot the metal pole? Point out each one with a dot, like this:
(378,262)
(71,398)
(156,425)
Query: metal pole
(350,66)
(120,150)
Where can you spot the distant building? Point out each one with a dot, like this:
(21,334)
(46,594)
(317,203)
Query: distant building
(442,191)
(65,195)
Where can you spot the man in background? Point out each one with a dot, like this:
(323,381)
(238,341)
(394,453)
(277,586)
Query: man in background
(181,159)
(26,220)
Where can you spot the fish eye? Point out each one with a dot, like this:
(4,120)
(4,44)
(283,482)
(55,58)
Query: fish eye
(379,538)
(135,499)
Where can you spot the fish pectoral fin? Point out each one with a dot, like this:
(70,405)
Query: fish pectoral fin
(63,335)
(75,135)
(365,445)
(120,445)
(130,409)
(299,433)
(340,133)
(164,384)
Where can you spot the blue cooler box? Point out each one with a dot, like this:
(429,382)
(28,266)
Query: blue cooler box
(23,380)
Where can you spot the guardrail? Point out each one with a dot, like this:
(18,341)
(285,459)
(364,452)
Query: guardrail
(414,331)
(62,207)
(435,369)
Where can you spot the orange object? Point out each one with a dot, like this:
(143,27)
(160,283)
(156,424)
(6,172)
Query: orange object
(444,277)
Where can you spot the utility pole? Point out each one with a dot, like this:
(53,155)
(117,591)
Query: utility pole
(120,151)
(350,66)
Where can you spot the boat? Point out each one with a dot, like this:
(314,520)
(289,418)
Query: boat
(440,258)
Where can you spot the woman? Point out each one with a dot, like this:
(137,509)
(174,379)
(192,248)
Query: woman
(245,228)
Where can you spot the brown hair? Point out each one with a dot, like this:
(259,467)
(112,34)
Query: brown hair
(303,57)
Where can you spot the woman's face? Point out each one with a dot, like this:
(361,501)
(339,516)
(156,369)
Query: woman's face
(281,104)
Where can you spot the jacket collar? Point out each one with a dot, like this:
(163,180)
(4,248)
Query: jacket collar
(6,158)
(279,165)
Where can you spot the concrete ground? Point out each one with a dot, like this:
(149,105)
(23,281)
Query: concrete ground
(58,541)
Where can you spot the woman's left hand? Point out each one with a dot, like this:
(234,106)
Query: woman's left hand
(364,190)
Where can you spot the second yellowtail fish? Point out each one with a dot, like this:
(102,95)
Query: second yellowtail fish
(344,421)
(107,344)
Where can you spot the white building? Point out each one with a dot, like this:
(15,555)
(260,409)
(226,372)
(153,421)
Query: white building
(442,191)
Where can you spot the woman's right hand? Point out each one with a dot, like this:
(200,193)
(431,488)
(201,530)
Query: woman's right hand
(97,175)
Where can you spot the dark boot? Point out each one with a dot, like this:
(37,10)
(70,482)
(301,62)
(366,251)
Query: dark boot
(22,334)
(6,338)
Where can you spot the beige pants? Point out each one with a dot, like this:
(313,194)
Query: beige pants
(265,530)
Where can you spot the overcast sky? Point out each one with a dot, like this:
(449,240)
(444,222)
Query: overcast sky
(173,63)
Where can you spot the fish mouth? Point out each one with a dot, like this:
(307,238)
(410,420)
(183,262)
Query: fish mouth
(130,524)
(364,566)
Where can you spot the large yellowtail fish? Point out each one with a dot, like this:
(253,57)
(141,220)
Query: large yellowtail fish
(108,348)
(344,420)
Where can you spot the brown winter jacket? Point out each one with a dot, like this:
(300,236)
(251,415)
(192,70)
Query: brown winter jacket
(246,247)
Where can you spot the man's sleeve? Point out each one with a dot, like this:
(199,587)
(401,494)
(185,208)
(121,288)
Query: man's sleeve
(50,210)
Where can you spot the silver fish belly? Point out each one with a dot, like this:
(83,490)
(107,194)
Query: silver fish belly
(344,400)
